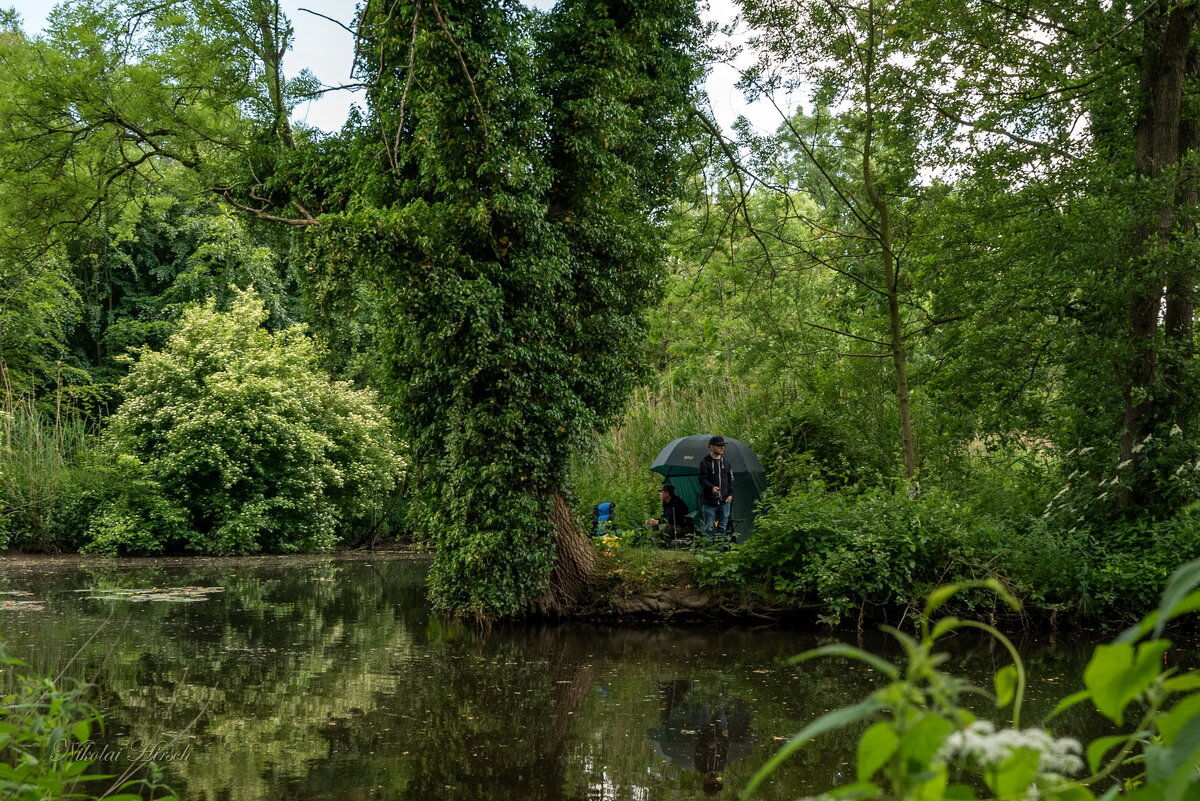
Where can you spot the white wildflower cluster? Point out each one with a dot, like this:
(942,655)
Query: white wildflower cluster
(981,742)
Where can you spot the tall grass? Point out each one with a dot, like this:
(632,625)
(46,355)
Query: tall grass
(42,457)
(617,467)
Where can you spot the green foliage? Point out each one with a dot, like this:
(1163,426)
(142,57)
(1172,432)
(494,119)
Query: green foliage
(855,547)
(43,464)
(504,233)
(231,440)
(161,254)
(926,744)
(46,735)
(38,310)
(40,725)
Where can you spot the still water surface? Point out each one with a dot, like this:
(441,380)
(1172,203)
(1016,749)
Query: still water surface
(329,678)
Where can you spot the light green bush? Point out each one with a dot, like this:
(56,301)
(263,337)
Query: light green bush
(232,440)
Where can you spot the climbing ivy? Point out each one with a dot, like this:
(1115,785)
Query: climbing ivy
(504,220)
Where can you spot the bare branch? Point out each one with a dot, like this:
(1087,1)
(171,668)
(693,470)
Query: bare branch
(983,126)
(338,23)
(466,71)
(1125,27)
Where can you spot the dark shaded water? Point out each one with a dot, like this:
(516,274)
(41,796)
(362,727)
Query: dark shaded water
(316,678)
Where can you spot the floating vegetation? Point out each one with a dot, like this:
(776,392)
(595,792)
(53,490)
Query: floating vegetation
(19,601)
(183,595)
(8,605)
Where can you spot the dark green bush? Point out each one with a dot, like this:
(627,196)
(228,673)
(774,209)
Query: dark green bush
(859,546)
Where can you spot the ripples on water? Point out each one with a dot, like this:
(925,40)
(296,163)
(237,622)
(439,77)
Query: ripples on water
(329,678)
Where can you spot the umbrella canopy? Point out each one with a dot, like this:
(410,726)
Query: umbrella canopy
(679,462)
(682,456)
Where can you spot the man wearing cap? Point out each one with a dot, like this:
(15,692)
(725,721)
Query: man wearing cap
(716,488)
(674,520)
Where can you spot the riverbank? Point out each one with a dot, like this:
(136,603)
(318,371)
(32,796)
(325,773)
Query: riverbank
(644,584)
(630,585)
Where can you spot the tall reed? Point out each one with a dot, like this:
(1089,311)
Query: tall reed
(41,455)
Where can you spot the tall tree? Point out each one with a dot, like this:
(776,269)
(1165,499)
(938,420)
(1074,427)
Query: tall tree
(1067,109)
(861,167)
(506,213)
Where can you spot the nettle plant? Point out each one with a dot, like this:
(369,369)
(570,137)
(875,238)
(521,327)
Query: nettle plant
(929,746)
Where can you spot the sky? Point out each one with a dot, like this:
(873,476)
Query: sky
(327,50)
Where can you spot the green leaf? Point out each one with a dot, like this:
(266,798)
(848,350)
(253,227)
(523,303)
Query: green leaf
(942,594)
(836,719)
(1071,792)
(1012,777)
(1175,765)
(944,625)
(856,791)
(1117,673)
(934,787)
(82,731)
(1184,683)
(939,597)
(923,739)
(1006,685)
(1101,746)
(875,748)
(850,652)
(1172,723)
(1179,587)
(960,792)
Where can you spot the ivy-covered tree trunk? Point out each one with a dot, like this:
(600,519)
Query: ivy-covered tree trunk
(505,215)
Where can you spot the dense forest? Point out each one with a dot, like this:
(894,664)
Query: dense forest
(949,301)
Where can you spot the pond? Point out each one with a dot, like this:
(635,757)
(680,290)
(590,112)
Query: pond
(328,677)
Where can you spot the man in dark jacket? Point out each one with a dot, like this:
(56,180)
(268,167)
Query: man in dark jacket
(716,488)
(674,521)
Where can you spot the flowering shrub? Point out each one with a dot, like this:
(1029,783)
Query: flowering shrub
(928,746)
(232,440)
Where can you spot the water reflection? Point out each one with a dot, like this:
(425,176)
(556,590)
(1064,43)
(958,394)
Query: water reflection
(323,678)
(701,730)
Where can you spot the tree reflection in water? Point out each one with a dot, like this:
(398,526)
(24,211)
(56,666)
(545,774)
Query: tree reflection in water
(322,678)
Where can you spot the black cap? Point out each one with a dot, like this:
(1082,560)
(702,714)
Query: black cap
(718,440)
(667,488)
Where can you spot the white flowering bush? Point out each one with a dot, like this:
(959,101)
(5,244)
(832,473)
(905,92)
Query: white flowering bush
(233,440)
(926,746)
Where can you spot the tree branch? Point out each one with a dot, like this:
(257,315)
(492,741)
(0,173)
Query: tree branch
(982,126)
(851,336)
(225,193)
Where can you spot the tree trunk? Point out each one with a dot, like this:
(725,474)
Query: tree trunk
(1180,310)
(883,233)
(1162,137)
(574,564)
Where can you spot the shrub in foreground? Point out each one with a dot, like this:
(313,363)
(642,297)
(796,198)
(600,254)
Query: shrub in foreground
(46,743)
(923,742)
(233,440)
